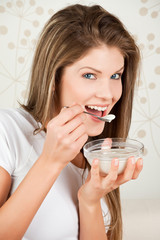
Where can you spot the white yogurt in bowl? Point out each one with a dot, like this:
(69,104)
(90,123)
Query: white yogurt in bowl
(121,148)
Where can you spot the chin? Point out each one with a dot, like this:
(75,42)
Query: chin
(95,132)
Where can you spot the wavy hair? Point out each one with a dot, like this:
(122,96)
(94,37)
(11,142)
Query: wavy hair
(66,37)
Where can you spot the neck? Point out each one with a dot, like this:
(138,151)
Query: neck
(79,161)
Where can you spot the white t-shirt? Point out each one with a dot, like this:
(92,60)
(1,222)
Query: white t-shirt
(57,217)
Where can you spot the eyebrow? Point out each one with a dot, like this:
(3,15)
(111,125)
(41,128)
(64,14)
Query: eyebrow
(96,70)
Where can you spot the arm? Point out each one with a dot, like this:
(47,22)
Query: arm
(91,222)
(95,187)
(65,137)
(19,210)
(5,185)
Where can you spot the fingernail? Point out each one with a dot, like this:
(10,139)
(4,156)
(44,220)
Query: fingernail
(116,161)
(96,161)
(107,143)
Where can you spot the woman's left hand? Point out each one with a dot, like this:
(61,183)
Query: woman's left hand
(98,185)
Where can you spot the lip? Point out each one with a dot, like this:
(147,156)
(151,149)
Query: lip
(104,113)
(95,119)
(98,105)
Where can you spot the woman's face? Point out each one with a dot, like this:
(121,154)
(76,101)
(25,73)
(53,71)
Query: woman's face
(94,81)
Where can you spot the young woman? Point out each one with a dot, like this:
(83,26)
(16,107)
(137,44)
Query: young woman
(85,58)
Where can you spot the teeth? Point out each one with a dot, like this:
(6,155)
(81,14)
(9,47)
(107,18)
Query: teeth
(97,108)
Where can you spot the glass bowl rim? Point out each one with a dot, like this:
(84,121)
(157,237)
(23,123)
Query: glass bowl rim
(120,140)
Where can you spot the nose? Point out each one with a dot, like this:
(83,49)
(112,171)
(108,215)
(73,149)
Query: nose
(104,90)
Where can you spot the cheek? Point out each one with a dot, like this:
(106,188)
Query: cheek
(72,92)
(117,92)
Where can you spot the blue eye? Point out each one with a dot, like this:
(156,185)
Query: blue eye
(116,76)
(89,76)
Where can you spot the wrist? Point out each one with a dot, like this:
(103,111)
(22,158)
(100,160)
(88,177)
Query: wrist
(52,167)
(88,204)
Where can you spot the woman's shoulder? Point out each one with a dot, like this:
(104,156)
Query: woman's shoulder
(17,140)
(7,118)
(16,118)
(8,115)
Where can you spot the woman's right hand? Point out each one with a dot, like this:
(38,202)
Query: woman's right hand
(66,135)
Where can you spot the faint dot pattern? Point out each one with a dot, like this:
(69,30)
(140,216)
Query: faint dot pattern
(11,45)
(19,4)
(141,46)
(3,30)
(143,11)
(152,85)
(9,4)
(35,23)
(150,36)
(21,59)
(154,14)
(158,50)
(39,10)
(2,9)
(144,1)
(141,133)
(157,70)
(51,12)
(23,41)
(32,2)
(27,33)
(143,100)
(34,41)
(151,47)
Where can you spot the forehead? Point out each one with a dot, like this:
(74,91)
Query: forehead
(103,58)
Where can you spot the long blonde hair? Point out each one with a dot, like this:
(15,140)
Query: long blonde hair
(68,35)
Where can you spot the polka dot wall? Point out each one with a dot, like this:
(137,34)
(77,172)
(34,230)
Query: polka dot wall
(20,24)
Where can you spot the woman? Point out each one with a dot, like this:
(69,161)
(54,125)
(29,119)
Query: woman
(85,59)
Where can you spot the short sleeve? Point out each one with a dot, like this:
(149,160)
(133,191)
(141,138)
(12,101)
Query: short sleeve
(6,158)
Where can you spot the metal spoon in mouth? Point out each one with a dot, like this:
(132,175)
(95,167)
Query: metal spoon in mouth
(107,118)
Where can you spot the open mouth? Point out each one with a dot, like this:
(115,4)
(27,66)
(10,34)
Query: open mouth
(99,111)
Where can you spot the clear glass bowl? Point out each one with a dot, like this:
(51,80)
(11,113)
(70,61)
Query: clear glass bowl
(107,149)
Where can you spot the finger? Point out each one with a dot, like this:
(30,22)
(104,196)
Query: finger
(95,171)
(78,132)
(67,114)
(113,173)
(64,107)
(74,123)
(88,177)
(138,168)
(79,143)
(107,143)
(128,172)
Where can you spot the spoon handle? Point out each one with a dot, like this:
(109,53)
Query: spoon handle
(91,114)
(85,112)
(101,118)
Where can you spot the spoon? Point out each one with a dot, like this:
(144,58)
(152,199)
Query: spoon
(107,118)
